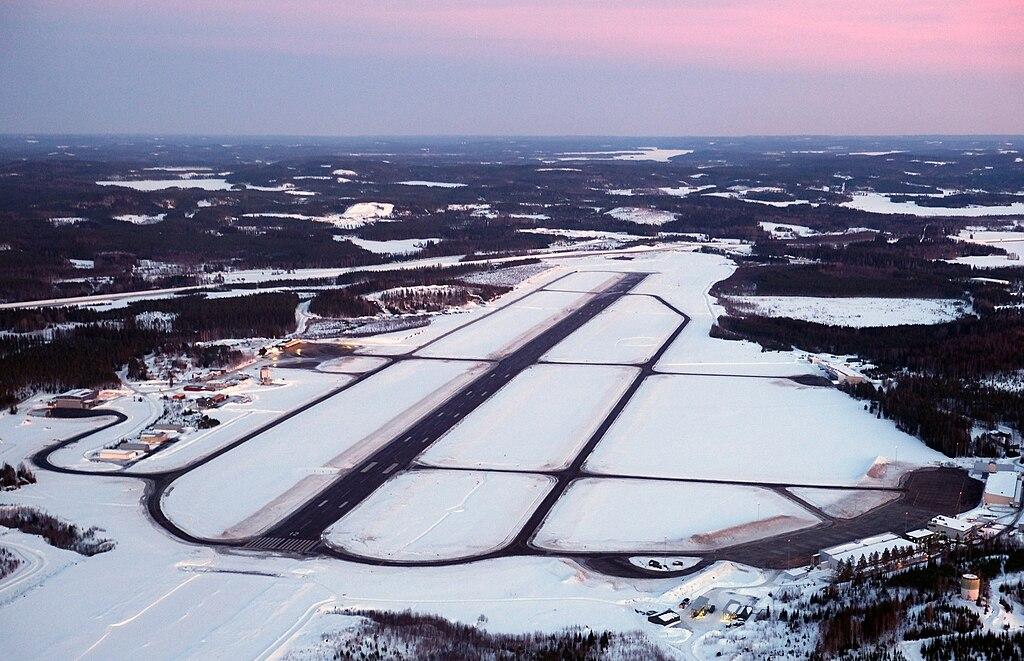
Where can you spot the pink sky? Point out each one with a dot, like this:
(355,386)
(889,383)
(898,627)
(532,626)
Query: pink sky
(513,66)
(870,35)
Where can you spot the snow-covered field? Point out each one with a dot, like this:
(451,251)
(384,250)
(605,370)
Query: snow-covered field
(254,485)
(509,328)
(1012,242)
(639,154)
(210,184)
(629,331)
(844,503)
(753,430)
(684,282)
(584,234)
(882,203)
(693,352)
(432,184)
(527,426)
(585,281)
(438,514)
(655,515)
(857,312)
(642,216)
(140,219)
(355,215)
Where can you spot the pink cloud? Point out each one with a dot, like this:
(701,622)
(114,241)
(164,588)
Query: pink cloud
(930,36)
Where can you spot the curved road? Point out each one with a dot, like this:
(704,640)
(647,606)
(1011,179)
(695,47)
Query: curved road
(923,493)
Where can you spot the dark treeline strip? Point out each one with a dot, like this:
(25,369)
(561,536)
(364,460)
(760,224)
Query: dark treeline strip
(407,300)
(908,267)
(342,304)
(350,301)
(57,533)
(968,347)
(269,314)
(91,355)
(942,411)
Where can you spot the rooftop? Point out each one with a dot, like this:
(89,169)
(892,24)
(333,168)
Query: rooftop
(954,524)
(866,547)
(1003,484)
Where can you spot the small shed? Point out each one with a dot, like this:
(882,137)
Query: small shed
(665,618)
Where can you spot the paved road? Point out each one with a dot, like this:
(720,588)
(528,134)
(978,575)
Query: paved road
(309,522)
(924,493)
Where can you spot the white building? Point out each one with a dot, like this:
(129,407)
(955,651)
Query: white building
(1003,488)
(953,528)
(864,548)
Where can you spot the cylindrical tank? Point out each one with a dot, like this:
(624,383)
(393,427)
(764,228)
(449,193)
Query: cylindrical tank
(970,585)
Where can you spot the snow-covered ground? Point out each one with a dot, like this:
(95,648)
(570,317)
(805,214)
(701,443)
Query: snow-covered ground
(438,514)
(140,219)
(140,415)
(585,234)
(291,389)
(210,184)
(620,515)
(754,430)
(286,465)
(684,281)
(844,503)
(585,281)
(857,312)
(1010,241)
(153,596)
(351,364)
(882,203)
(527,426)
(683,190)
(783,231)
(28,430)
(640,154)
(355,215)
(642,216)
(432,184)
(629,331)
(509,328)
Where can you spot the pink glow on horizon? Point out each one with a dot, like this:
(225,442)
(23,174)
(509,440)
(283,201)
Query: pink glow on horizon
(929,36)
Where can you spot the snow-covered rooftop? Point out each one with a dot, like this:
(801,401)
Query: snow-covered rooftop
(1006,484)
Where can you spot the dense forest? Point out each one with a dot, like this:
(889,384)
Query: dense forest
(401,636)
(865,615)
